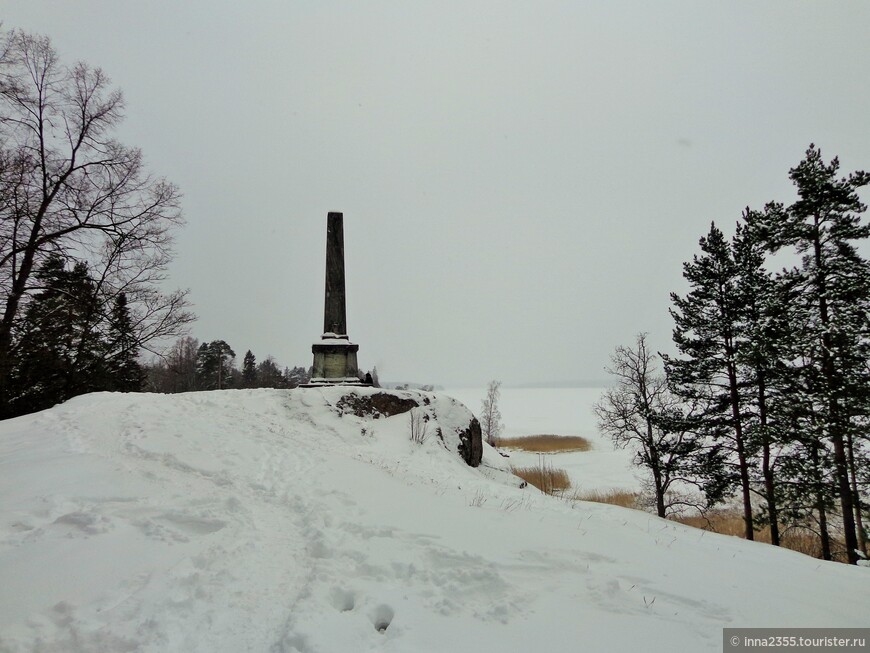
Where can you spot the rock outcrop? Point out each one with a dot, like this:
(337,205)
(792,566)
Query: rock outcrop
(471,443)
(451,422)
(380,404)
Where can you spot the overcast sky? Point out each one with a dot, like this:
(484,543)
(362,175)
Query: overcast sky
(521,181)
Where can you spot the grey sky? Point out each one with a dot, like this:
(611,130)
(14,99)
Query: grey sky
(520,181)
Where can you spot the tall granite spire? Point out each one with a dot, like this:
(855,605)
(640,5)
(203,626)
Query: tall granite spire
(334,310)
(334,356)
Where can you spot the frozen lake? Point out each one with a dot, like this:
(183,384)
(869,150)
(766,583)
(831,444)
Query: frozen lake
(559,411)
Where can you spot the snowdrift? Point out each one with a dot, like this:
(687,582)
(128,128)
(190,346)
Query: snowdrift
(277,521)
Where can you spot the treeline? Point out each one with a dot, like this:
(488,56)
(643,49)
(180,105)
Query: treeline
(85,235)
(768,398)
(191,366)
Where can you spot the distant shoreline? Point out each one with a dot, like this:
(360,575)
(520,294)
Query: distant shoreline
(547,385)
(600,383)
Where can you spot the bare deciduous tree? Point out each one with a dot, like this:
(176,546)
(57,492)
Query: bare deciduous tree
(68,187)
(490,418)
(641,413)
(176,370)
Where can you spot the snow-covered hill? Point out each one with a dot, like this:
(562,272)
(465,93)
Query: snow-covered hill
(266,521)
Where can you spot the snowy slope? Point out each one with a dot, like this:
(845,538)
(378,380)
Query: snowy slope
(265,521)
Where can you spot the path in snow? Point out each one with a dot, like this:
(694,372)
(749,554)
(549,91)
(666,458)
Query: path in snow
(264,521)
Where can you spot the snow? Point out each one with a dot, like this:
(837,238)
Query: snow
(267,521)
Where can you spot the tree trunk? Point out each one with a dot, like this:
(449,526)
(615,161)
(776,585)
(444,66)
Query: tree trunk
(859,521)
(769,490)
(660,503)
(766,467)
(655,461)
(660,493)
(834,416)
(846,503)
(841,469)
(823,530)
(13,301)
(824,536)
(741,453)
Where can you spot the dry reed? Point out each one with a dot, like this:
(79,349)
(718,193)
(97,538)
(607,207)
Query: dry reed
(546,443)
(730,522)
(547,479)
(614,497)
(725,522)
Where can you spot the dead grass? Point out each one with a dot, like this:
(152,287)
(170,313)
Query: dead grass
(802,540)
(730,522)
(614,497)
(547,443)
(547,479)
(725,522)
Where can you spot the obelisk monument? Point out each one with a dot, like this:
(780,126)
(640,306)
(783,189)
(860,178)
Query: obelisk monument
(334,356)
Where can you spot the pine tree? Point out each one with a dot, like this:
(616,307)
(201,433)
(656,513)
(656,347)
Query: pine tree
(214,362)
(249,370)
(768,333)
(59,352)
(127,375)
(270,374)
(807,487)
(709,335)
(823,226)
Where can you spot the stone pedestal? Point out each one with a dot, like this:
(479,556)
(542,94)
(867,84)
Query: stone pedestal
(334,361)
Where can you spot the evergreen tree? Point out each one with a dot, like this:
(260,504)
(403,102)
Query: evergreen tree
(249,370)
(59,352)
(768,329)
(270,374)
(823,226)
(127,375)
(807,486)
(214,364)
(709,335)
(296,376)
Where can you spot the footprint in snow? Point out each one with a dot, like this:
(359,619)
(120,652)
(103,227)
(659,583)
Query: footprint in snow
(382,617)
(343,600)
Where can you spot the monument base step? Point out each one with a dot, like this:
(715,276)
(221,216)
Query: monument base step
(319,383)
